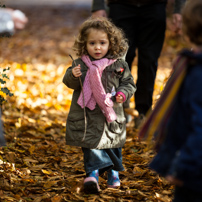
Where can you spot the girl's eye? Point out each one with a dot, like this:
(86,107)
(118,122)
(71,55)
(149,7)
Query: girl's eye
(92,43)
(103,43)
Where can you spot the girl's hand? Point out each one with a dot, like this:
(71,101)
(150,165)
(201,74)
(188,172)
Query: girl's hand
(119,99)
(76,71)
(174,181)
(177,22)
(99,13)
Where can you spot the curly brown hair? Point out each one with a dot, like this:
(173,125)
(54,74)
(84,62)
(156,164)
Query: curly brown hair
(192,21)
(117,40)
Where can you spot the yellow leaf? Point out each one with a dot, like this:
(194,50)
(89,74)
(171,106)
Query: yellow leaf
(57,106)
(2,94)
(19,123)
(48,104)
(31,149)
(18,66)
(46,172)
(24,67)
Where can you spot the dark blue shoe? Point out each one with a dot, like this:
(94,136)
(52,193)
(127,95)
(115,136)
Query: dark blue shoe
(113,179)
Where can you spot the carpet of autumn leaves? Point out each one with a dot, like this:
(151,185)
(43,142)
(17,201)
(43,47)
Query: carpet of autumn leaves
(36,165)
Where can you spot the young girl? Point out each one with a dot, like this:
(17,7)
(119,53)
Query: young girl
(102,82)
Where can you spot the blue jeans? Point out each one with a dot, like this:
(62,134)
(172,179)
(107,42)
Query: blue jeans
(102,160)
(183,194)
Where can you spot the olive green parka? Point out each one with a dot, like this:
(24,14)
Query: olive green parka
(99,134)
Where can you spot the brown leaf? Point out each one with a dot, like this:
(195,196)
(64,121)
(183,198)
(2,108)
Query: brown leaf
(56,198)
(49,184)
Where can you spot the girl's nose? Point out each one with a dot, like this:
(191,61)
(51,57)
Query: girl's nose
(97,47)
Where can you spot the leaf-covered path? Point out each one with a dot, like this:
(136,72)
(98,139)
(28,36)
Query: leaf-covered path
(36,165)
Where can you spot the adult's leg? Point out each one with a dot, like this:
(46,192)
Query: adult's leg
(124,17)
(151,33)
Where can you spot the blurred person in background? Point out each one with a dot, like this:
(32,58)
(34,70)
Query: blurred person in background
(175,123)
(144,23)
(10,20)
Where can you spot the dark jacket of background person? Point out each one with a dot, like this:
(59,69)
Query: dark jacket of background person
(100,4)
(181,153)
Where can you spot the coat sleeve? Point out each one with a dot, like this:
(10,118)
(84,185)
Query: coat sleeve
(126,83)
(69,80)
(178,6)
(98,5)
(187,164)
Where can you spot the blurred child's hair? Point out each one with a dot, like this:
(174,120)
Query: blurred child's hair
(192,21)
(118,42)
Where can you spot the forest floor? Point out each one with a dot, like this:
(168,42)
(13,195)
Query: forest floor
(37,165)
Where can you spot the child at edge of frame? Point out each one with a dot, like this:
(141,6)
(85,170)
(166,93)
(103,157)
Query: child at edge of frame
(179,156)
(102,82)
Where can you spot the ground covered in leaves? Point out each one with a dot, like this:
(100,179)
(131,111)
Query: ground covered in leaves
(36,165)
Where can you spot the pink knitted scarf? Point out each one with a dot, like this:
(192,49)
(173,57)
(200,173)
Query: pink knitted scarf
(93,89)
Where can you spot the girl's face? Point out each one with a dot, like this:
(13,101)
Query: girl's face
(97,43)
